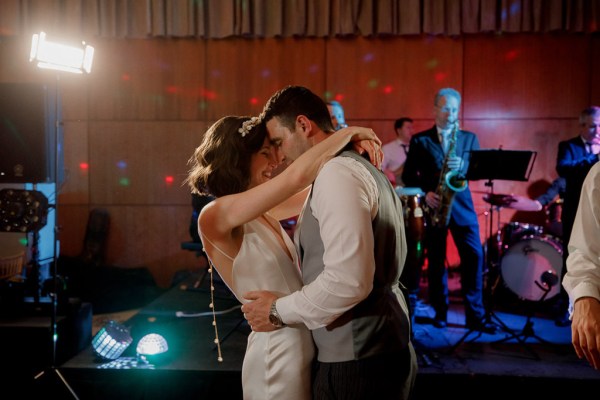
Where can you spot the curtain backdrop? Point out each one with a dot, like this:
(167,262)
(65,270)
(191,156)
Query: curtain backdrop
(216,19)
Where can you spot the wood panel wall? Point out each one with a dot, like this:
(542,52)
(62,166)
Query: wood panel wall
(136,119)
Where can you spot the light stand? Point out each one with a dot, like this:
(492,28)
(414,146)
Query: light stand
(73,59)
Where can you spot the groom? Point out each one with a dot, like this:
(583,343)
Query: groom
(352,248)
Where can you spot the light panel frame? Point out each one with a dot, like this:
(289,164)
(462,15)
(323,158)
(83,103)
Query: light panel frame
(61,57)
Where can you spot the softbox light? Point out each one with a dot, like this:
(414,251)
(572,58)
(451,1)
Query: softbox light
(22,210)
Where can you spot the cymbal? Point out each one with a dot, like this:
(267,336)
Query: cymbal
(514,202)
(501,200)
(522,203)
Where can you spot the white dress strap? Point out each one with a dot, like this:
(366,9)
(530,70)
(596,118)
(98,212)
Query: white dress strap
(216,247)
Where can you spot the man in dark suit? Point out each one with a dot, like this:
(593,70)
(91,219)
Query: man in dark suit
(423,167)
(576,157)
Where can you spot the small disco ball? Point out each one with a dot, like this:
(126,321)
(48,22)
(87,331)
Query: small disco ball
(152,348)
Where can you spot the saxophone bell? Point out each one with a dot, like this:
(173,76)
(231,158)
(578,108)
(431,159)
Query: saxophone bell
(455,181)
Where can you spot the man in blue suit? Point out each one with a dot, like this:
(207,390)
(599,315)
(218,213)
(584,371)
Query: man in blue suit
(576,157)
(422,169)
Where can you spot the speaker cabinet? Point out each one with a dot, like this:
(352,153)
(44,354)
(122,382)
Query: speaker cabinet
(29,142)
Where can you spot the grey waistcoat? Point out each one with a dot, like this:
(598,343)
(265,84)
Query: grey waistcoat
(380,323)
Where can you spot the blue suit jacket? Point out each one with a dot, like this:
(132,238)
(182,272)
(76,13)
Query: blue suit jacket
(573,164)
(424,163)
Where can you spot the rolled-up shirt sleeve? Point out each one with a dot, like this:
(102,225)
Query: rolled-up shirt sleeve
(344,201)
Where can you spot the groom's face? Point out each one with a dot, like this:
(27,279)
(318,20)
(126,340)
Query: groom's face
(289,144)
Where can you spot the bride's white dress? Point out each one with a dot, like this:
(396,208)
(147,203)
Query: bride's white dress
(277,364)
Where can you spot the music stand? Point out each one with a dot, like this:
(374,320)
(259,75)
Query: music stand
(492,164)
(508,165)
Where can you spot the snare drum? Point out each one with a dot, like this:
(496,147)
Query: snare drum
(512,232)
(524,263)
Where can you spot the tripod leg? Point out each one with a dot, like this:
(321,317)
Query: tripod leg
(463,339)
(520,337)
(61,378)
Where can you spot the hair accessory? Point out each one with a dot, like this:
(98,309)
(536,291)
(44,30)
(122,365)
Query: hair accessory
(248,125)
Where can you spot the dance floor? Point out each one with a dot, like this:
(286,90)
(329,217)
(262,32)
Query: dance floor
(454,363)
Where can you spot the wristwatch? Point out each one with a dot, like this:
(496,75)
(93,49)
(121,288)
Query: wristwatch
(274,317)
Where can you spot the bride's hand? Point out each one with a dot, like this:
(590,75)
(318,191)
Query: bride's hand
(365,140)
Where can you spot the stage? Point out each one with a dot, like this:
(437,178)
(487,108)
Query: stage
(478,366)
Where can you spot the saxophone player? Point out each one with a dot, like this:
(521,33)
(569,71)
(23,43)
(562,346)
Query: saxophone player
(440,152)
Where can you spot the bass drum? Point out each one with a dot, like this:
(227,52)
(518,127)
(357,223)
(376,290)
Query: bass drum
(524,263)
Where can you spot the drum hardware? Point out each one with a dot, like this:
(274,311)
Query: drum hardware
(413,200)
(413,203)
(492,165)
(554,224)
(514,231)
(513,201)
(548,279)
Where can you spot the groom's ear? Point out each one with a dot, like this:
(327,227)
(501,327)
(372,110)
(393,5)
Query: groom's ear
(304,125)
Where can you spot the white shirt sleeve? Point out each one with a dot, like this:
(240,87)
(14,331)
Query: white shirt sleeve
(344,201)
(583,263)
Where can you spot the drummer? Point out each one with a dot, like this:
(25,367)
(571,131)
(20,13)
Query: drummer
(396,151)
(552,200)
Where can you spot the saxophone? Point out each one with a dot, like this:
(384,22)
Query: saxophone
(449,184)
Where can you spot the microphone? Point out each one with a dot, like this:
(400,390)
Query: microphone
(549,278)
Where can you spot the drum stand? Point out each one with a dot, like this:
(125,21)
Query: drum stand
(490,165)
(549,279)
(489,290)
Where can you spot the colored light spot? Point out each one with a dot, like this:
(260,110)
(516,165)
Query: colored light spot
(124,181)
(121,164)
(84,166)
(169,180)
(440,76)
(388,89)
(511,55)
(254,101)
(313,69)
(431,64)
(372,84)
(209,94)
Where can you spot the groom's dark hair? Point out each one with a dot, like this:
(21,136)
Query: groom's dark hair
(291,101)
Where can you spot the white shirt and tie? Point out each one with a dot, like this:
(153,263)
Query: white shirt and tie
(444,138)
